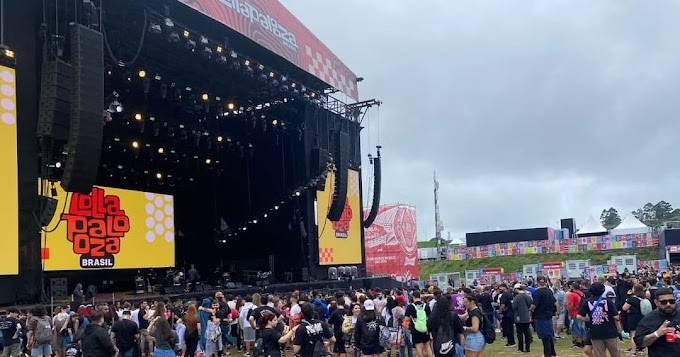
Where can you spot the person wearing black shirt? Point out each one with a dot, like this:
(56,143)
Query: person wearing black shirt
(543,308)
(485,303)
(420,340)
(125,334)
(336,320)
(508,315)
(310,333)
(659,327)
(446,328)
(10,328)
(602,315)
(261,310)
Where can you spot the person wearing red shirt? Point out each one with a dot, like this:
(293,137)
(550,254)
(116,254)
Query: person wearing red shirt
(578,328)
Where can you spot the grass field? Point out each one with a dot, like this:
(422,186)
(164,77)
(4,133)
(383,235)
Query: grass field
(515,263)
(562,347)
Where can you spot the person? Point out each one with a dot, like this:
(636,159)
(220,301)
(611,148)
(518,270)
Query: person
(633,308)
(59,320)
(447,329)
(246,327)
(165,337)
(420,339)
(39,333)
(348,326)
(95,341)
(193,277)
(11,328)
(398,317)
(559,294)
(77,297)
(507,315)
(578,327)
(192,332)
(310,333)
(521,304)
(367,330)
(213,333)
(335,321)
(124,333)
(474,339)
(544,308)
(659,331)
(602,315)
(271,339)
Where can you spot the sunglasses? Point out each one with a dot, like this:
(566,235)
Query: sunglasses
(667,302)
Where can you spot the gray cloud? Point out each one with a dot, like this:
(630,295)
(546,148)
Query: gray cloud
(529,111)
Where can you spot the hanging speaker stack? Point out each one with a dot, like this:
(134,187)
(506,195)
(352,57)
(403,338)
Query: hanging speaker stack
(341,157)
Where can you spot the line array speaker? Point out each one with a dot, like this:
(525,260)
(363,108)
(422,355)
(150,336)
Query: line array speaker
(49,205)
(341,165)
(55,100)
(375,206)
(87,106)
(59,288)
(319,160)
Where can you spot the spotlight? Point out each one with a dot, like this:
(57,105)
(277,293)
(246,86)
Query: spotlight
(284,78)
(297,193)
(208,161)
(168,23)
(204,40)
(260,67)
(274,122)
(161,150)
(234,55)
(293,85)
(271,74)
(205,96)
(265,215)
(207,51)
(276,207)
(135,144)
(219,138)
(191,45)
(231,106)
(155,29)
(247,62)
(173,37)
(222,59)
(313,94)
(159,175)
(142,74)
(9,53)
(138,116)
(115,107)
(186,33)
(57,164)
(254,221)
(218,49)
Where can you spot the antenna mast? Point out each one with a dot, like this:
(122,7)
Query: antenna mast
(439,226)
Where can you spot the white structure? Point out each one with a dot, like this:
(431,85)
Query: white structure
(592,227)
(630,225)
(428,254)
(624,262)
(530,270)
(445,280)
(575,268)
(471,276)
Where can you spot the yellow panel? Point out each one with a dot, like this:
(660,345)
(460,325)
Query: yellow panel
(340,242)
(9,186)
(110,228)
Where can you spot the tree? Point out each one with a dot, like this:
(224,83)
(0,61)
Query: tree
(663,210)
(610,218)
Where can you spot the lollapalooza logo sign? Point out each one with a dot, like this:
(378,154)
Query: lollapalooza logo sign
(95,225)
(341,227)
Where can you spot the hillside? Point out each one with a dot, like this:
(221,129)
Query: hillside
(516,263)
(432,243)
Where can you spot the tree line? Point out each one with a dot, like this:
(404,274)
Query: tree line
(653,215)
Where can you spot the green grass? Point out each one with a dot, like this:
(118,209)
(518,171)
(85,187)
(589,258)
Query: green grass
(562,347)
(516,263)
(432,243)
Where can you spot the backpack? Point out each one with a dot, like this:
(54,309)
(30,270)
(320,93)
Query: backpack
(259,348)
(488,330)
(384,336)
(421,318)
(43,331)
(645,307)
(444,344)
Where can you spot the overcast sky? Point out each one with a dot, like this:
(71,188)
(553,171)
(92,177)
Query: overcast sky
(529,111)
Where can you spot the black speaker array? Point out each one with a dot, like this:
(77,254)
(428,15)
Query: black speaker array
(377,172)
(55,100)
(87,122)
(319,160)
(341,159)
(49,206)
(59,288)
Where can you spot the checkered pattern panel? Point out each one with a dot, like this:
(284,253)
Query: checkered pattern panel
(353,189)
(326,255)
(322,67)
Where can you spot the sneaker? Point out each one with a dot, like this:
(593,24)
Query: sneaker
(498,330)
(519,352)
(508,345)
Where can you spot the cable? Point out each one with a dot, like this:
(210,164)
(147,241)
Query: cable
(2,22)
(108,47)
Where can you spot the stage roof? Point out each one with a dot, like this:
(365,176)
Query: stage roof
(630,225)
(591,227)
(269,24)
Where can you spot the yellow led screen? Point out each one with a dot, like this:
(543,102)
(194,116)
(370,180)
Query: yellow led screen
(340,242)
(110,228)
(9,182)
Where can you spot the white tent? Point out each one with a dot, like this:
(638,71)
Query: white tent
(592,227)
(630,225)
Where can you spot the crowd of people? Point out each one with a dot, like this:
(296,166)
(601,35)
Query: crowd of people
(428,323)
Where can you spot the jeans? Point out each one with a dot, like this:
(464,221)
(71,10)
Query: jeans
(163,353)
(128,353)
(508,326)
(523,337)
(407,346)
(549,347)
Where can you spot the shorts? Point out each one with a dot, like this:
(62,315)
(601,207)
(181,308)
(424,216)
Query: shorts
(372,351)
(144,336)
(474,342)
(587,341)
(419,337)
(12,350)
(339,346)
(58,343)
(544,329)
(578,328)
(248,334)
(559,320)
(43,350)
(234,330)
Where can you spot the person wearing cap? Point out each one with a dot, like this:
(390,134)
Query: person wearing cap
(367,330)
(124,334)
(521,304)
(507,315)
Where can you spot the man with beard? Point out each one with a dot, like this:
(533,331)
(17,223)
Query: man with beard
(659,331)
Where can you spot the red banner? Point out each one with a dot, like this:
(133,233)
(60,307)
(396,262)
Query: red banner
(271,25)
(492,271)
(391,243)
(552,265)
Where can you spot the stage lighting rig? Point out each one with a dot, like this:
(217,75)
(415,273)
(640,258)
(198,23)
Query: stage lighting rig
(114,105)
(190,45)
(173,37)
(155,29)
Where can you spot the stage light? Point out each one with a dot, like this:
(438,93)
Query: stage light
(138,116)
(115,106)
(265,215)
(186,33)
(9,53)
(161,150)
(155,29)
(233,55)
(247,62)
(231,106)
(254,221)
(205,96)
(168,23)
(274,122)
(207,52)
(204,40)
(297,193)
(57,164)
(219,138)
(159,175)
(135,144)
(142,74)
(260,67)
(218,49)
(208,161)
(313,94)
(271,74)
(191,45)
(276,207)
(173,37)
(293,85)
